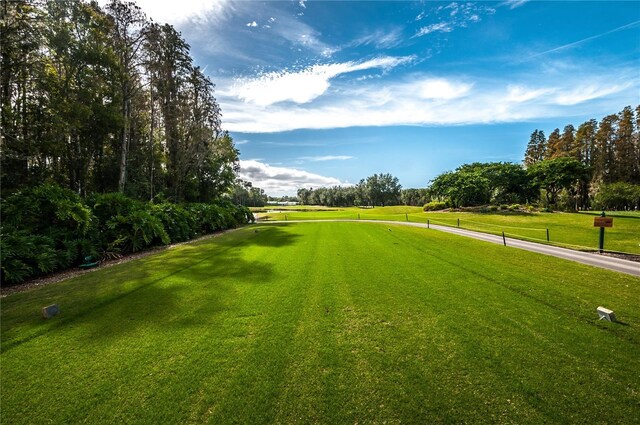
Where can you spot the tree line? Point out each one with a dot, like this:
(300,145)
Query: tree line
(245,194)
(111,137)
(103,100)
(376,190)
(595,166)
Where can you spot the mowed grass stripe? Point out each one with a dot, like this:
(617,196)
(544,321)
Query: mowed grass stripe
(327,322)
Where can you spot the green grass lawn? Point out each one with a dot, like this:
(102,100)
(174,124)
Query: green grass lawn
(327,323)
(565,229)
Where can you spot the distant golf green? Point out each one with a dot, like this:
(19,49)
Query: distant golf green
(327,323)
(565,229)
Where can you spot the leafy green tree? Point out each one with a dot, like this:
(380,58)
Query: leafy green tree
(127,34)
(21,95)
(617,196)
(567,143)
(586,144)
(383,189)
(461,188)
(557,174)
(625,160)
(603,160)
(414,197)
(484,183)
(536,148)
(554,145)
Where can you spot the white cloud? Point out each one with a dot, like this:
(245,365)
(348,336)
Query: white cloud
(454,16)
(326,158)
(439,27)
(440,88)
(588,92)
(306,85)
(176,12)
(512,4)
(301,35)
(380,39)
(427,101)
(282,180)
(302,4)
(516,93)
(252,24)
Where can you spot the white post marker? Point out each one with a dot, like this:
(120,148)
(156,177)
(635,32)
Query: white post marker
(606,314)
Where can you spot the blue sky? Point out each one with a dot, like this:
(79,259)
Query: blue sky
(324,93)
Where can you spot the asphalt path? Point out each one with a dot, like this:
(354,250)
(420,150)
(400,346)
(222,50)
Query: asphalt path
(592,259)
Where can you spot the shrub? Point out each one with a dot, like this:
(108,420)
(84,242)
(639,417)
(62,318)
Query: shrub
(55,213)
(24,255)
(434,206)
(179,223)
(127,225)
(48,209)
(136,231)
(47,228)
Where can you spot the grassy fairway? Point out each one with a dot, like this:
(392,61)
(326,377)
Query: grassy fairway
(565,229)
(327,323)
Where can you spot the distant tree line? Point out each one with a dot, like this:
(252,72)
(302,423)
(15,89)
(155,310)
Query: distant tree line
(244,193)
(595,166)
(105,100)
(376,190)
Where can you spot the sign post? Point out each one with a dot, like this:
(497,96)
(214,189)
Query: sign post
(602,221)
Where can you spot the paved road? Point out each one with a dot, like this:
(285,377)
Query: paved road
(592,259)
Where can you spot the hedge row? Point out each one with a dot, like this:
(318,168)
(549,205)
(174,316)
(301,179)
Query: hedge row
(48,228)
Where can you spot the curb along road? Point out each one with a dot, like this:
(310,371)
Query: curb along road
(592,259)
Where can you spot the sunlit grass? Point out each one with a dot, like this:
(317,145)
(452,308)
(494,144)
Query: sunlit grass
(564,229)
(327,323)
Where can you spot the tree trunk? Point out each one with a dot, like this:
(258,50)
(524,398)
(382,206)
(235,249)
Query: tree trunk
(125,146)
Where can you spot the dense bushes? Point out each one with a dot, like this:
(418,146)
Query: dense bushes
(48,228)
(434,206)
(44,228)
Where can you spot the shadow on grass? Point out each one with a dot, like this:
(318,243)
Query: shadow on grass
(611,214)
(273,235)
(175,288)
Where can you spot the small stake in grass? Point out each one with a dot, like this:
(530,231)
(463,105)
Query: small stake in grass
(428,224)
(606,314)
(547,235)
(504,240)
(458,222)
(407,216)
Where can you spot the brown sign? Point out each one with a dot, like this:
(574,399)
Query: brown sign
(603,222)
